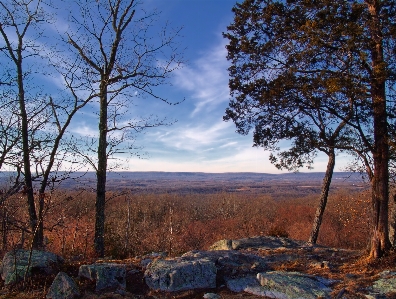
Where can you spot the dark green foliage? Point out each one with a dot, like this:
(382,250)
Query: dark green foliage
(320,75)
(296,75)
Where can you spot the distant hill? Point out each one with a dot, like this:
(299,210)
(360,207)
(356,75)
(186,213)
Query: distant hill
(228,176)
(303,183)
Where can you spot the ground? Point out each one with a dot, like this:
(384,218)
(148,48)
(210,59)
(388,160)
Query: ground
(350,268)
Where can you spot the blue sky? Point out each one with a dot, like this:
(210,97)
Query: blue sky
(199,140)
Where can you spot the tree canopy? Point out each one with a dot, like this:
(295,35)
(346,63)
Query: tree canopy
(320,74)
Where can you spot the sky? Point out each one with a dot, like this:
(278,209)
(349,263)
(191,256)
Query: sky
(199,140)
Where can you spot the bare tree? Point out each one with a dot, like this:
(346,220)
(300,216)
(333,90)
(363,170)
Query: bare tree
(36,124)
(122,60)
(17,19)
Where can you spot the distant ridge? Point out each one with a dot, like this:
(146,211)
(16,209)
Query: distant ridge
(203,176)
(314,176)
(277,185)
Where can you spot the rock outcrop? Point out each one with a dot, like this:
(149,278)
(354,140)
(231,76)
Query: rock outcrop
(229,263)
(180,274)
(262,242)
(107,276)
(386,284)
(282,285)
(250,265)
(63,287)
(18,264)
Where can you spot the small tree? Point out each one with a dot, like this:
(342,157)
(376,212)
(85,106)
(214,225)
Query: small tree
(35,124)
(121,61)
(17,19)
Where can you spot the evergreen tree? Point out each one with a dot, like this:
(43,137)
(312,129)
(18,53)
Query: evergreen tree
(316,73)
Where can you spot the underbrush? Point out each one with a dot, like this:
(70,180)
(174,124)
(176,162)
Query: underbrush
(137,224)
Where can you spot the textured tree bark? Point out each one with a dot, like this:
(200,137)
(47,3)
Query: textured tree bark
(101,173)
(323,199)
(380,192)
(28,189)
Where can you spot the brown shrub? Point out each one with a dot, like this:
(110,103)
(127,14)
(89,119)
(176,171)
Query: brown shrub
(137,224)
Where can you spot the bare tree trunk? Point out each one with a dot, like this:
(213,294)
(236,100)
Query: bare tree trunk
(28,190)
(323,198)
(101,175)
(380,189)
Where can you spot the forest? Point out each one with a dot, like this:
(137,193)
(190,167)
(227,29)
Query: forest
(176,220)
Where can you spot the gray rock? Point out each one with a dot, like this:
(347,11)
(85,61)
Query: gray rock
(211,296)
(242,284)
(282,285)
(290,285)
(262,242)
(179,275)
(16,263)
(230,263)
(144,263)
(108,276)
(63,287)
(386,284)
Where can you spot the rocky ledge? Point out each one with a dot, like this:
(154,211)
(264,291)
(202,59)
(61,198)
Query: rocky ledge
(259,267)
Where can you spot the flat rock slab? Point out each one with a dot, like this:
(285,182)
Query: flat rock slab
(180,275)
(261,242)
(108,276)
(283,285)
(385,285)
(18,262)
(230,263)
(63,287)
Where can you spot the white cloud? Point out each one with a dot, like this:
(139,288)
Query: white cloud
(194,138)
(206,79)
(247,160)
(85,130)
(229,144)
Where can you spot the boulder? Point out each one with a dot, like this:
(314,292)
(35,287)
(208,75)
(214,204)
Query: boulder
(108,276)
(230,263)
(179,275)
(261,242)
(63,287)
(283,285)
(386,284)
(243,284)
(18,262)
(211,296)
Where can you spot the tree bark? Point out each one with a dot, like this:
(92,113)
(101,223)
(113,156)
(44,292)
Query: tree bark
(28,189)
(380,191)
(101,173)
(323,198)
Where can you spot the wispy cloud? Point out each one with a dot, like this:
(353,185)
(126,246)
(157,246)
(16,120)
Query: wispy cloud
(196,137)
(206,78)
(247,160)
(85,130)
